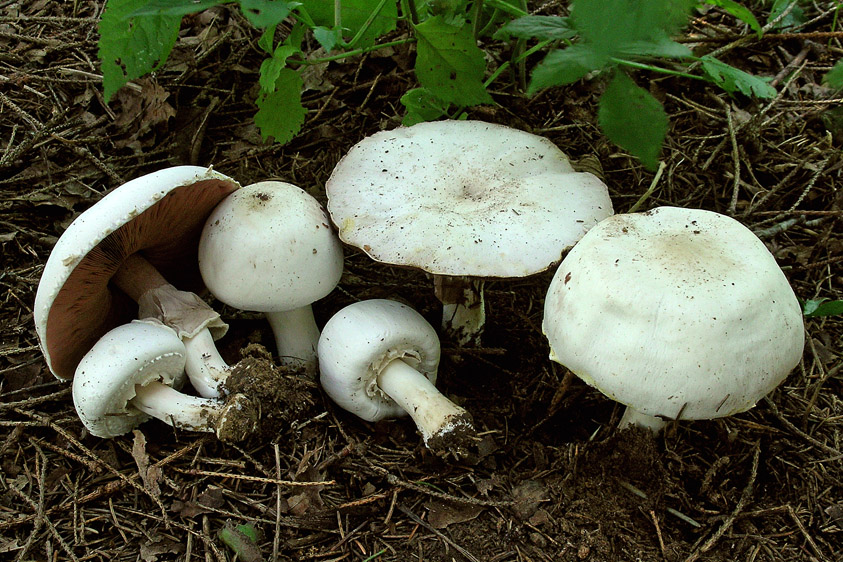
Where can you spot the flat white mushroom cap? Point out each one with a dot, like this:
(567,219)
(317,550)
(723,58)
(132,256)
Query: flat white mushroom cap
(269,247)
(674,310)
(360,341)
(75,304)
(140,352)
(463,198)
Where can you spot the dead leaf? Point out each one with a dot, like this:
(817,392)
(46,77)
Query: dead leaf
(441,514)
(528,495)
(151,550)
(151,475)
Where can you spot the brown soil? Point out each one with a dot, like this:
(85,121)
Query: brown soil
(551,478)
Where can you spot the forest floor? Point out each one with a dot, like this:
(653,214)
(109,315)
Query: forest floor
(552,478)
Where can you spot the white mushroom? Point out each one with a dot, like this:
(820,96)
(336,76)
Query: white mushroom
(269,247)
(677,313)
(378,359)
(134,372)
(464,201)
(123,258)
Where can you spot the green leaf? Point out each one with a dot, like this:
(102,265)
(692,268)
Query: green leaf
(131,46)
(733,80)
(449,63)
(242,540)
(795,17)
(271,67)
(539,27)
(834,77)
(739,11)
(280,114)
(267,39)
(353,17)
(564,66)
(658,47)
(170,8)
(633,119)
(422,106)
(815,308)
(327,38)
(266,13)
(610,26)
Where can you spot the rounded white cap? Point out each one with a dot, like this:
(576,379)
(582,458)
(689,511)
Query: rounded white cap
(360,340)
(269,247)
(463,198)
(677,313)
(159,214)
(140,352)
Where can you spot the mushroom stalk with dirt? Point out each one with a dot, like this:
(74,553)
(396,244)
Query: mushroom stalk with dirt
(134,372)
(269,247)
(465,201)
(378,359)
(676,313)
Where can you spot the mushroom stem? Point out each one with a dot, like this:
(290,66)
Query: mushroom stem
(183,311)
(631,416)
(231,420)
(205,367)
(463,307)
(434,414)
(175,408)
(296,336)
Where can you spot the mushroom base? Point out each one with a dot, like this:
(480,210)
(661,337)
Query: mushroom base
(631,416)
(457,436)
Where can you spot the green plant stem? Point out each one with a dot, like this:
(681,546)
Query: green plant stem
(409,7)
(364,28)
(476,16)
(540,46)
(352,53)
(659,69)
(508,8)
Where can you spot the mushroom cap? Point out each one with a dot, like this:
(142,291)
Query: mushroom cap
(159,215)
(360,340)
(463,198)
(139,352)
(679,313)
(269,247)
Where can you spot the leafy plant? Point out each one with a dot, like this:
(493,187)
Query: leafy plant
(605,38)
(815,308)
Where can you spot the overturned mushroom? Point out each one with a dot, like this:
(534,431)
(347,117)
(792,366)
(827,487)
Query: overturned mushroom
(122,259)
(378,359)
(134,372)
(676,313)
(464,201)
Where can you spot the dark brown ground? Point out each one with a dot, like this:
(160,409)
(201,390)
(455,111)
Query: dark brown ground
(553,479)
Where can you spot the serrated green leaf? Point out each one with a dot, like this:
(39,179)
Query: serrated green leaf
(271,67)
(421,106)
(266,13)
(267,39)
(170,8)
(280,114)
(739,11)
(834,77)
(449,63)
(816,308)
(733,80)
(353,16)
(795,17)
(633,119)
(564,66)
(327,38)
(609,26)
(658,47)
(131,46)
(539,27)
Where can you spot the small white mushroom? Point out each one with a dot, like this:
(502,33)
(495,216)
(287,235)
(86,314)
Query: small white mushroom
(464,201)
(134,372)
(378,359)
(269,247)
(677,313)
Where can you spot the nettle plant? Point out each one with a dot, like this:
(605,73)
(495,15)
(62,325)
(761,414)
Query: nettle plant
(600,39)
